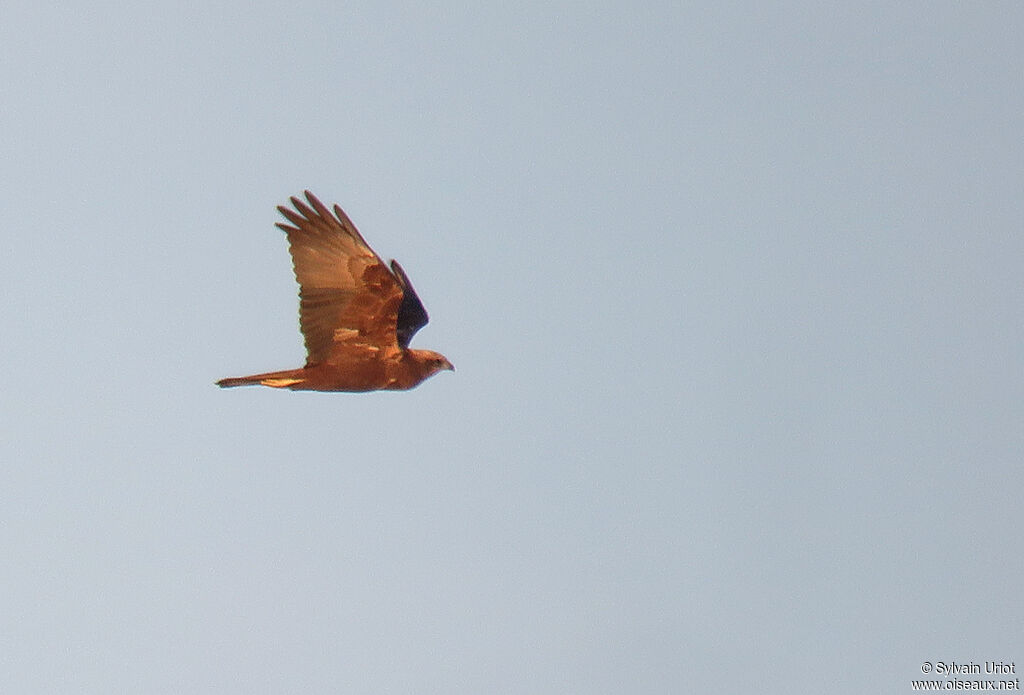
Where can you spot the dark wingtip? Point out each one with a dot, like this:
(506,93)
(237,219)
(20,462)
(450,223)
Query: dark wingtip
(295,218)
(320,208)
(400,274)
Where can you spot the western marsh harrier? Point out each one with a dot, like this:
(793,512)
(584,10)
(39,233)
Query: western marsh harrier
(356,314)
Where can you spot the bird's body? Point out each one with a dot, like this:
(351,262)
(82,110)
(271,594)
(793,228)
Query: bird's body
(357,314)
(398,371)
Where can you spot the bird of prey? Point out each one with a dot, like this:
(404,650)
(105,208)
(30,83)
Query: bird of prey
(356,314)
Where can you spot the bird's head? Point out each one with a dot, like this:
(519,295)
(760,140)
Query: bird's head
(431,362)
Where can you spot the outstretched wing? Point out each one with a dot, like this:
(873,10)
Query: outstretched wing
(412,316)
(349,301)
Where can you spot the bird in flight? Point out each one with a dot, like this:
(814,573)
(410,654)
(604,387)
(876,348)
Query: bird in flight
(357,315)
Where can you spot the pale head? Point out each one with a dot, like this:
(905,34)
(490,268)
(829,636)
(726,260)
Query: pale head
(432,362)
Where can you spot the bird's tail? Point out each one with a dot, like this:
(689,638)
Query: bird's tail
(285,379)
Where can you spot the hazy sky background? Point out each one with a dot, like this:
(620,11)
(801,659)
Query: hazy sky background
(734,292)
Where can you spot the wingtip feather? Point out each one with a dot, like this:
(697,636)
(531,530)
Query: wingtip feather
(320,208)
(291,215)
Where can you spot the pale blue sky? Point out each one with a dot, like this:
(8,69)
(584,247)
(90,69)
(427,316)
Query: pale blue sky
(734,293)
